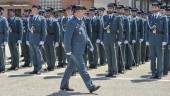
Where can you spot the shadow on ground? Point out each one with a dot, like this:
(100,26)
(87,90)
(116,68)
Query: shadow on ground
(144,78)
(64,93)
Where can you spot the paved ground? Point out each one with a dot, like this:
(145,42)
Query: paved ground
(132,83)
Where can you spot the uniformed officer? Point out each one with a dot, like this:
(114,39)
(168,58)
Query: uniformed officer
(133,36)
(15,38)
(42,13)
(87,22)
(95,24)
(64,20)
(24,47)
(140,36)
(75,40)
(4,33)
(158,37)
(119,31)
(167,48)
(128,54)
(52,38)
(101,49)
(37,36)
(108,37)
(145,48)
(59,48)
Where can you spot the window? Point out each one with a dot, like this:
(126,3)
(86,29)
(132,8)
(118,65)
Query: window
(51,3)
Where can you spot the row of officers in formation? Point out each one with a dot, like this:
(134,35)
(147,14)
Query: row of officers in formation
(121,36)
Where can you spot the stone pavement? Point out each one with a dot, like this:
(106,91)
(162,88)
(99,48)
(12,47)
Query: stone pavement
(133,83)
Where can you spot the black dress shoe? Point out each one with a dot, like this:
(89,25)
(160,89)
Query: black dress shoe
(111,75)
(39,72)
(67,89)
(2,71)
(13,68)
(50,69)
(153,77)
(92,67)
(60,66)
(95,88)
(158,77)
(26,65)
(33,72)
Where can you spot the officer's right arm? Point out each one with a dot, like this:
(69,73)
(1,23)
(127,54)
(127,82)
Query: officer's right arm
(68,36)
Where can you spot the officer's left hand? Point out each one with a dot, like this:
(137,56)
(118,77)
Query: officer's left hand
(28,43)
(101,43)
(19,41)
(164,43)
(91,49)
(56,44)
(41,43)
(5,43)
(62,45)
(119,43)
(133,41)
(97,41)
(126,42)
(141,40)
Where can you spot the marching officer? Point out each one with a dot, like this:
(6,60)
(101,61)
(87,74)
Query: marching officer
(157,39)
(75,40)
(24,47)
(4,34)
(52,38)
(37,36)
(108,37)
(15,38)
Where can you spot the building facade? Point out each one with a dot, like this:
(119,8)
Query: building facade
(20,5)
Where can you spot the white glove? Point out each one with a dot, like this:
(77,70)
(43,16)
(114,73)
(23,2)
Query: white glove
(68,53)
(56,44)
(28,43)
(141,40)
(164,43)
(91,49)
(119,43)
(19,41)
(5,43)
(97,41)
(101,43)
(147,43)
(126,42)
(133,41)
(41,43)
(62,45)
